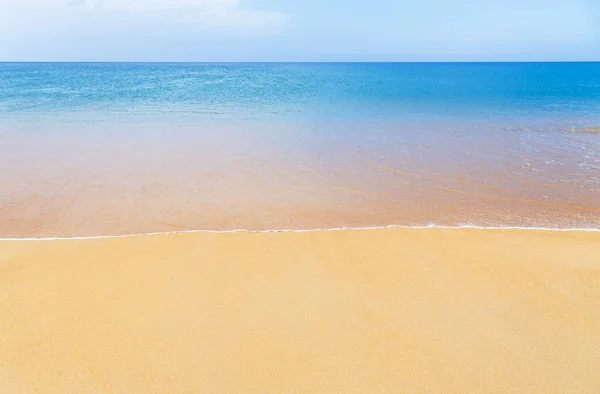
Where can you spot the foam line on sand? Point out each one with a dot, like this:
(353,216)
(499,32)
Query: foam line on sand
(297,231)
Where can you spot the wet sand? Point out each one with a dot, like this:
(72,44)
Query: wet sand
(381,311)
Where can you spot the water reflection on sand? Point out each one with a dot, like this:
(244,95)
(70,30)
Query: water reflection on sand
(81,180)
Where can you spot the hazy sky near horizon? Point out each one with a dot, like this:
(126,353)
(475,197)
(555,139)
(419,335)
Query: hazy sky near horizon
(299,30)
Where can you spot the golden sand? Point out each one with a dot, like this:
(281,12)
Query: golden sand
(352,311)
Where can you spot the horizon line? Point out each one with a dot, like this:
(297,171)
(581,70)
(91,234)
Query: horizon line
(295,62)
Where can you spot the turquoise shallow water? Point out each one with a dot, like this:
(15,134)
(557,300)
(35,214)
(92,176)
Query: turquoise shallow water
(97,149)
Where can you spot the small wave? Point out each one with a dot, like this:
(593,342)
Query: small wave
(584,129)
(245,231)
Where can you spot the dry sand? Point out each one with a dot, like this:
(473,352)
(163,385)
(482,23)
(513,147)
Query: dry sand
(353,311)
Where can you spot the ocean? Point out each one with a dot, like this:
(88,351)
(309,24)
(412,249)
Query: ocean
(91,149)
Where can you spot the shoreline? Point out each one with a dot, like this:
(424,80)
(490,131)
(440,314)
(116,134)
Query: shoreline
(315,230)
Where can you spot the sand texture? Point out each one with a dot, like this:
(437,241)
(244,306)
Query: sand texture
(351,311)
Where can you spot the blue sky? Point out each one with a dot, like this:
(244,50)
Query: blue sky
(299,30)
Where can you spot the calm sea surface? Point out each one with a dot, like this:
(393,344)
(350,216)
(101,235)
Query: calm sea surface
(106,149)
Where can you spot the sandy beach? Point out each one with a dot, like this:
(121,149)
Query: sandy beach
(350,311)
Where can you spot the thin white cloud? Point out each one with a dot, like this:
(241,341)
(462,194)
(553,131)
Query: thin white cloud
(200,14)
(150,5)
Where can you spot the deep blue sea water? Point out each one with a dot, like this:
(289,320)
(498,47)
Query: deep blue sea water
(113,148)
(191,92)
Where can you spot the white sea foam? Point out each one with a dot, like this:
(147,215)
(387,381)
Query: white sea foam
(304,231)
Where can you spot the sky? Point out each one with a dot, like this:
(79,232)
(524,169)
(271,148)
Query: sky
(299,30)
